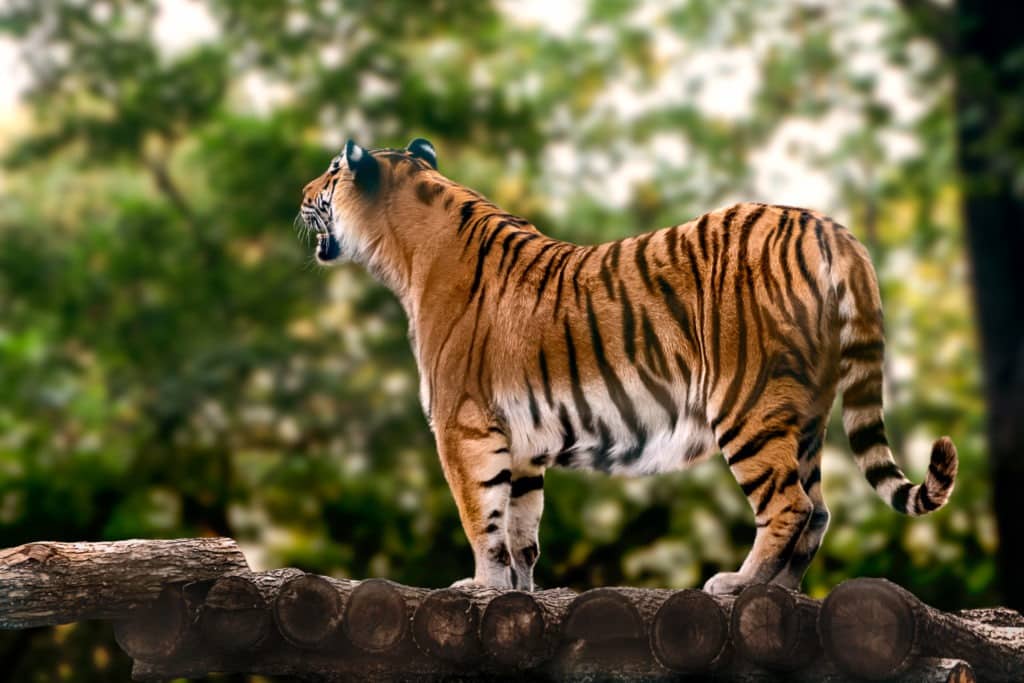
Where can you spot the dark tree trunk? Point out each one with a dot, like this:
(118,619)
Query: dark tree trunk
(989,101)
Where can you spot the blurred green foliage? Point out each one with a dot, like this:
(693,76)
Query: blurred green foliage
(173,364)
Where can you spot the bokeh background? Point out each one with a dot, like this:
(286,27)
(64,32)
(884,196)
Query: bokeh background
(173,364)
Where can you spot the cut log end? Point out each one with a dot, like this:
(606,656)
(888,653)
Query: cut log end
(376,619)
(774,627)
(512,629)
(868,629)
(689,632)
(308,611)
(234,617)
(154,632)
(445,626)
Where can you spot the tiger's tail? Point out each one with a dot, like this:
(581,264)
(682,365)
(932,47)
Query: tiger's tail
(862,348)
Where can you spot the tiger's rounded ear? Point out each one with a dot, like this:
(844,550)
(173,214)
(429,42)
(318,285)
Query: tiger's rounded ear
(422,149)
(365,169)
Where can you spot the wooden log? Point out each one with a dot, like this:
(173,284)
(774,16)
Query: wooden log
(377,616)
(235,615)
(445,625)
(689,632)
(604,633)
(155,631)
(602,616)
(875,629)
(57,583)
(309,609)
(775,628)
(520,630)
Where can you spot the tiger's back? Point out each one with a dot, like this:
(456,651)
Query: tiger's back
(732,332)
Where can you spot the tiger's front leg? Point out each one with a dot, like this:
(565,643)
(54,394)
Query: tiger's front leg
(526,504)
(477,464)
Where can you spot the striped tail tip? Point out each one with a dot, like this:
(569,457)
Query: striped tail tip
(938,484)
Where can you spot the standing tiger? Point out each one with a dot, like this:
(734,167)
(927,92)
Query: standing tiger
(731,333)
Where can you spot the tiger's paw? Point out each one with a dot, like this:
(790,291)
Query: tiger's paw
(468,583)
(726,583)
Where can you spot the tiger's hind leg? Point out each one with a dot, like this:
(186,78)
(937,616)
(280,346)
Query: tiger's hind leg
(809,456)
(762,454)
(525,506)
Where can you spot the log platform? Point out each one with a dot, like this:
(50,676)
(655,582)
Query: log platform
(186,608)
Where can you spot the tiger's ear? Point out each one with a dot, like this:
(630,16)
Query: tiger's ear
(365,169)
(422,149)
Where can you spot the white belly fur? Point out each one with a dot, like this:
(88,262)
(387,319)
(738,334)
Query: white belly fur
(666,447)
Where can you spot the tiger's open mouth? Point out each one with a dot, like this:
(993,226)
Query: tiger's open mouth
(327,247)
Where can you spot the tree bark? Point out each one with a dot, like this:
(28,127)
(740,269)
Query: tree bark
(990,136)
(57,583)
(874,629)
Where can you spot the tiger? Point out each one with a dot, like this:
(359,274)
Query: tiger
(731,333)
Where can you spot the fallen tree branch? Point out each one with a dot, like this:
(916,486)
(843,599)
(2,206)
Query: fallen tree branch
(58,583)
(188,608)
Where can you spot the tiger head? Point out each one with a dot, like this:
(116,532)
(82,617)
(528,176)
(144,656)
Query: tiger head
(360,207)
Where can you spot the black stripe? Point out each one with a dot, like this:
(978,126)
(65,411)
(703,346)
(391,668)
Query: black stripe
(534,408)
(606,278)
(869,350)
(866,437)
(924,501)
(641,260)
(465,214)
(490,528)
(546,277)
(812,478)
(801,262)
(941,477)
(702,235)
(504,248)
(791,480)
(579,269)
(545,378)
(578,398)
(766,497)
(826,250)
(655,355)
(495,514)
(526,238)
(481,257)
(755,483)
(885,471)
(524,485)
(616,391)
(730,434)
(539,460)
(502,477)
(900,496)
(568,432)
(537,257)
(671,242)
(628,324)
(684,369)
(561,284)
(603,460)
(756,444)
(500,451)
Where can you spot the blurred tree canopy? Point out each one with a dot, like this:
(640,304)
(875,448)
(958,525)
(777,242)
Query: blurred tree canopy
(173,364)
